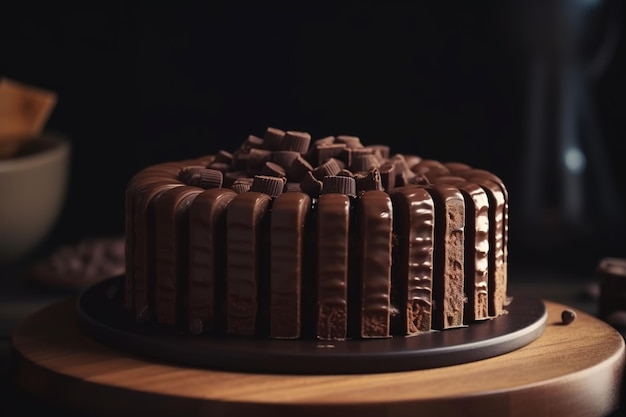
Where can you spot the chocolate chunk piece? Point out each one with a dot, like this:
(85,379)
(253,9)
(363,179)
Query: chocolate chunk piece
(412,270)
(295,141)
(207,254)
(172,252)
(272,138)
(375,219)
(333,227)
(272,186)
(199,176)
(247,221)
(339,185)
(288,221)
(448,263)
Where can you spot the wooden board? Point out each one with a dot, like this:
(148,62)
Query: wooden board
(570,370)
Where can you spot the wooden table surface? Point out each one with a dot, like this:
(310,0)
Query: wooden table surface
(570,370)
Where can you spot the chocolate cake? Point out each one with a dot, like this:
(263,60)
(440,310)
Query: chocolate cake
(287,237)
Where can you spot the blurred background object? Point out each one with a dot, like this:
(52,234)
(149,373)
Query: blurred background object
(502,85)
(569,194)
(33,189)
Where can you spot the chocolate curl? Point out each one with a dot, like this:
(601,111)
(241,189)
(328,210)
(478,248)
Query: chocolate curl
(295,141)
(272,169)
(339,185)
(284,158)
(201,177)
(350,141)
(328,168)
(242,185)
(272,138)
(273,186)
(311,185)
(298,168)
(370,181)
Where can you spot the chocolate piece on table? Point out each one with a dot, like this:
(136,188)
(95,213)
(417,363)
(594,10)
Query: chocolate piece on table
(333,228)
(375,219)
(412,270)
(288,223)
(207,251)
(247,261)
(449,261)
(611,274)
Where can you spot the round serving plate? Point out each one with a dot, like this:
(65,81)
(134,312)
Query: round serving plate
(102,316)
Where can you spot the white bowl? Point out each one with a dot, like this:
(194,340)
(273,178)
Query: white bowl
(33,187)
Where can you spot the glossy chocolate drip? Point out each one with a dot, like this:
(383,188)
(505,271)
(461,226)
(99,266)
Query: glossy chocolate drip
(207,254)
(497,266)
(375,225)
(448,263)
(288,219)
(172,254)
(412,270)
(245,261)
(333,227)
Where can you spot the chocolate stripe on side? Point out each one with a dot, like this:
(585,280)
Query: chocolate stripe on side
(375,220)
(505,215)
(207,254)
(244,218)
(333,223)
(476,247)
(143,257)
(172,252)
(497,266)
(288,219)
(160,173)
(412,269)
(448,263)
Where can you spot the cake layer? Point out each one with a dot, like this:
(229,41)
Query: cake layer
(288,238)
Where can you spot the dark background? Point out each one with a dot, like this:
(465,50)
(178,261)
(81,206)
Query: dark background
(142,83)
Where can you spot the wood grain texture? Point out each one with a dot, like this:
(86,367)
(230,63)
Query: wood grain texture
(573,370)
